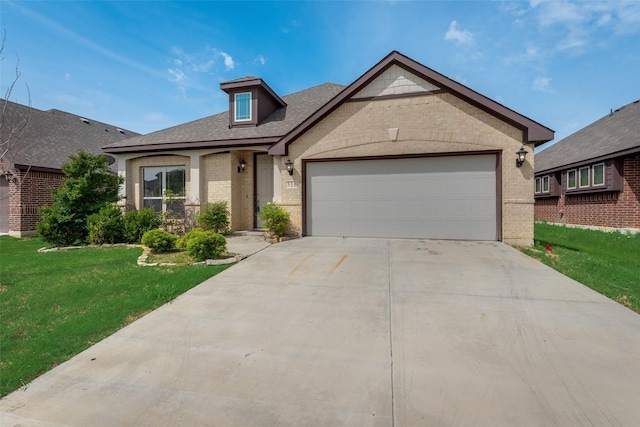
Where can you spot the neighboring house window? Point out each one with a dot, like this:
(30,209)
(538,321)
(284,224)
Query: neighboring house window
(571,179)
(598,174)
(545,184)
(595,178)
(164,188)
(242,107)
(584,177)
(542,184)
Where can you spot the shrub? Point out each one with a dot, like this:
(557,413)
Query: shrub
(87,187)
(106,226)
(182,241)
(59,228)
(206,245)
(276,218)
(215,217)
(136,223)
(159,240)
(173,217)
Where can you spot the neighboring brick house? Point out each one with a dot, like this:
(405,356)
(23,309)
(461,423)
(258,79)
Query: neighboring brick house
(41,142)
(403,151)
(592,177)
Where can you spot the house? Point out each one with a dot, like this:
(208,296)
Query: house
(592,177)
(39,142)
(403,151)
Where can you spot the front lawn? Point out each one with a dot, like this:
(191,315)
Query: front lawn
(607,262)
(55,305)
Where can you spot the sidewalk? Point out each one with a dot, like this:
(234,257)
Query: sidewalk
(246,243)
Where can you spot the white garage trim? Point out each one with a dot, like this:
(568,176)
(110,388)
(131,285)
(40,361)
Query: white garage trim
(443,197)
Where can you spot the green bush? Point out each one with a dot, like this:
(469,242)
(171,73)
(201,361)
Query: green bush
(206,245)
(106,226)
(159,240)
(276,218)
(182,241)
(59,226)
(215,217)
(136,223)
(87,187)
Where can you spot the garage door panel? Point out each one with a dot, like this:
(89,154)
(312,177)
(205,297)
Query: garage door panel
(442,198)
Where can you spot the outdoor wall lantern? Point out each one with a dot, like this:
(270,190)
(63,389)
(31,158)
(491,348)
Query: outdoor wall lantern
(11,178)
(242,166)
(289,165)
(521,153)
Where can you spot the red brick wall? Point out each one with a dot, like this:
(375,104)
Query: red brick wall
(27,198)
(612,209)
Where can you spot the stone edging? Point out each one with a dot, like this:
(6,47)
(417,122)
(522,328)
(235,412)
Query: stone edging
(142,259)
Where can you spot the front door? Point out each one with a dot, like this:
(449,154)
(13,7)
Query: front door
(264,184)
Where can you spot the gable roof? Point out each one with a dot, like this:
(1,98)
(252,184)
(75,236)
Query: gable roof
(616,134)
(532,131)
(51,136)
(214,131)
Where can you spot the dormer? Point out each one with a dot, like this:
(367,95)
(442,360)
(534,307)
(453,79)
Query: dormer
(251,100)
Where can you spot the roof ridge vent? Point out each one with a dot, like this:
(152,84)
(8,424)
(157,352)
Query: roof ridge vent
(85,120)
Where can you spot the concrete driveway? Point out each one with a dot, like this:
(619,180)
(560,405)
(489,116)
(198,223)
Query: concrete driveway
(327,332)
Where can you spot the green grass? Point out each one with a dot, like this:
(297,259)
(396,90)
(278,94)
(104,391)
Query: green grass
(607,262)
(55,305)
(175,257)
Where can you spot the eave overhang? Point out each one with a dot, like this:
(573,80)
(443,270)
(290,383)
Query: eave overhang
(589,161)
(174,146)
(251,82)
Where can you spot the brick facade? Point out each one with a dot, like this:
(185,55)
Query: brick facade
(390,111)
(223,182)
(27,198)
(431,124)
(609,209)
(219,180)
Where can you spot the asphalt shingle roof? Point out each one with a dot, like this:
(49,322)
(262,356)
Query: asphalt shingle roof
(615,133)
(51,136)
(300,105)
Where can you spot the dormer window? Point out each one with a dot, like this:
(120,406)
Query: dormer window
(250,101)
(242,103)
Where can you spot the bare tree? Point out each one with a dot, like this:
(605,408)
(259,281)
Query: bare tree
(12,130)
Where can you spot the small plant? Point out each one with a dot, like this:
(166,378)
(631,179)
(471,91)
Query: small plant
(276,219)
(206,245)
(173,217)
(159,240)
(164,292)
(215,217)
(136,223)
(106,226)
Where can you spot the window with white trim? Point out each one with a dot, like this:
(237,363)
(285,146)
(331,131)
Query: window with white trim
(242,102)
(542,184)
(571,179)
(598,174)
(584,177)
(164,188)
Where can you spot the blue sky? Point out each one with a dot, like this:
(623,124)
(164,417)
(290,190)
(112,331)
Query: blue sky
(148,65)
